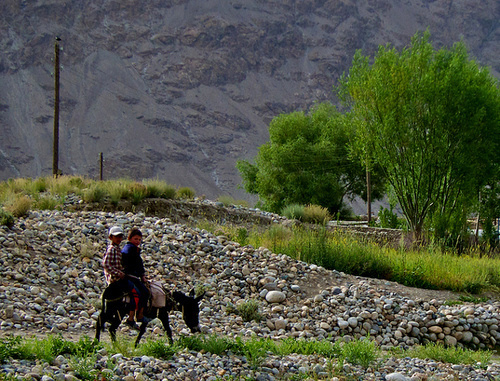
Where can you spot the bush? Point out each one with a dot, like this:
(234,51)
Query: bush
(186,193)
(248,310)
(118,191)
(388,219)
(294,212)
(46,202)
(94,193)
(19,206)
(453,355)
(242,203)
(360,352)
(138,192)
(159,189)
(226,200)
(159,349)
(316,214)
(6,218)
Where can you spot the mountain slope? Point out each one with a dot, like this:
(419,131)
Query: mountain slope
(181,89)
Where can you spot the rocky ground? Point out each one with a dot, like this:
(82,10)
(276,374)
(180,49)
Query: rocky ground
(51,280)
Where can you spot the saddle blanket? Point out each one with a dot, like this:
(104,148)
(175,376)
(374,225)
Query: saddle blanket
(157,294)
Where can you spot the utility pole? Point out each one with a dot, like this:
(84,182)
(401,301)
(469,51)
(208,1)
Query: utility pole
(368,195)
(101,161)
(55,151)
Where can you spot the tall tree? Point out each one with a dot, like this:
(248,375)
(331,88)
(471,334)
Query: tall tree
(306,161)
(431,119)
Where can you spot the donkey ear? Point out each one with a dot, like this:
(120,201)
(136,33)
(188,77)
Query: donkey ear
(191,293)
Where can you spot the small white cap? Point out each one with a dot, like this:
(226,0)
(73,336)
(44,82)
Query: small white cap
(115,230)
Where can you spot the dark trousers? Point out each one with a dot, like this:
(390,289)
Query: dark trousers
(121,287)
(142,290)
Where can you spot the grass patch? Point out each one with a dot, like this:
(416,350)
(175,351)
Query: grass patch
(316,214)
(96,192)
(186,193)
(294,212)
(159,189)
(19,205)
(46,349)
(452,355)
(429,268)
(159,349)
(6,218)
(47,201)
(117,190)
(248,310)
(49,192)
(226,200)
(363,352)
(360,352)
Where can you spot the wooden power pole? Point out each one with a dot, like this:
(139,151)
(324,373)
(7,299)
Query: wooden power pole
(55,151)
(368,195)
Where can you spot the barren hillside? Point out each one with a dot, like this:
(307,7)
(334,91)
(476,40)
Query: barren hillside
(181,89)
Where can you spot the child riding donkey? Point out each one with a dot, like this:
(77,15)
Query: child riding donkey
(117,278)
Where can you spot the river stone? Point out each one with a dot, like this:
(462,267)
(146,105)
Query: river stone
(275,296)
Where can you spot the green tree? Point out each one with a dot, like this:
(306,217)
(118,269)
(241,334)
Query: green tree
(306,161)
(431,119)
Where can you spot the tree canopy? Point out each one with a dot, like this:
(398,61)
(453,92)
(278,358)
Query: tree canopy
(431,119)
(306,161)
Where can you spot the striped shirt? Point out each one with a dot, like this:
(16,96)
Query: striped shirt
(112,263)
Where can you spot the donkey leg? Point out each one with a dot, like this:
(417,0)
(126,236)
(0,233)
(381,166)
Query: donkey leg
(163,316)
(99,326)
(141,332)
(113,327)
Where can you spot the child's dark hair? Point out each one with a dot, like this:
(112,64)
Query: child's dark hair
(133,232)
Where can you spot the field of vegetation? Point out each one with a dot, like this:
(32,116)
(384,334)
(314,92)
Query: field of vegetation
(83,353)
(432,267)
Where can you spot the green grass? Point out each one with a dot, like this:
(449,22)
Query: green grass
(426,267)
(46,349)
(18,196)
(363,352)
(429,268)
(452,355)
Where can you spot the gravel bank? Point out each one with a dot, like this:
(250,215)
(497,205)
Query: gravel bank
(51,280)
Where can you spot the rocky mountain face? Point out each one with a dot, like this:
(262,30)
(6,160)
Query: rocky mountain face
(182,89)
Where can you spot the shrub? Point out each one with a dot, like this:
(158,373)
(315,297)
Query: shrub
(88,248)
(118,191)
(360,352)
(159,189)
(46,202)
(64,185)
(138,192)
(186,193)
(294,212)
(242,203)
(453,355)
(159,349)
(94,193)
(226,200)
(316,214)
(19,206)
(248,310)
(6,218)
(388,219)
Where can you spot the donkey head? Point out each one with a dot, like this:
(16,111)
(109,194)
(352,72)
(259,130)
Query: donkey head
(188,305)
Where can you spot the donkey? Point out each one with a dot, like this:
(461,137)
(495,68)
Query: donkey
(114,308)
